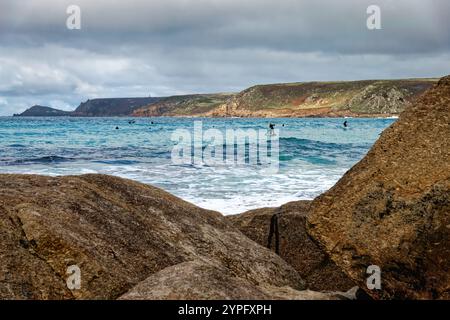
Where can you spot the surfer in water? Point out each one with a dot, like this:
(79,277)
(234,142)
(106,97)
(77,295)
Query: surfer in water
(271,129)
(345,124)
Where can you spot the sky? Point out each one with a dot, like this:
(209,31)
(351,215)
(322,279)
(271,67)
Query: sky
(139,48)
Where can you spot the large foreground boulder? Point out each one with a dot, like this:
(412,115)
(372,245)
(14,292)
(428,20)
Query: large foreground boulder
(283,230)
(392,209)
(119,233)
(204,280)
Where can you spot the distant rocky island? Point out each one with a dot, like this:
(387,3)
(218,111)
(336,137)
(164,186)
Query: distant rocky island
(42,111)
(366,98)
(135,241)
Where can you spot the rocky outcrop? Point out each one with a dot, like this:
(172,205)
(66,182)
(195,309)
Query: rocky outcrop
(381,100)
(119,233)
(392,209)
(42,111)
(200,280)
(283,229)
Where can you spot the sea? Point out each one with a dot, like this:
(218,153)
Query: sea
(313,154)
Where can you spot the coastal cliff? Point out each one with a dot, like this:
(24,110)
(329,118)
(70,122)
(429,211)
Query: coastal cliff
(368,98)
(104,107)
(111,107)
(185,105)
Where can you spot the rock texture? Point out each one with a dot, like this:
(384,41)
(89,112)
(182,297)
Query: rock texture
(392,209)
(200,280)
(119,233)
(283,229)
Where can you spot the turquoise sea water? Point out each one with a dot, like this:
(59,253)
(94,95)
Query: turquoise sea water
(313,155)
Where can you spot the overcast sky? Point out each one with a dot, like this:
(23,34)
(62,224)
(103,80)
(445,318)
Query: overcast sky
(166,47)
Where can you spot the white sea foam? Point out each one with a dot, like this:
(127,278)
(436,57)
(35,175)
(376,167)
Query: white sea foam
(228,191)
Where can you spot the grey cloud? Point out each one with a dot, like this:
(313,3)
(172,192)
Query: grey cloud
(331,26)
(159,47)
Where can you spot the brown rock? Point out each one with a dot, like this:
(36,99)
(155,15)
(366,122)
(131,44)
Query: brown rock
(201,280)
(392,209)
(119,233)
(286,226)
